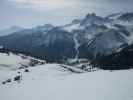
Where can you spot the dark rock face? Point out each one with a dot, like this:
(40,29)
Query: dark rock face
(59,45)
(17,78)
(106,43)
(126,17)
(116,61)
(26,70)
(7,81)
(55,46)
(3,50)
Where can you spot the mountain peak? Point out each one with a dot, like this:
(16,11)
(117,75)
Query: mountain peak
(90,15)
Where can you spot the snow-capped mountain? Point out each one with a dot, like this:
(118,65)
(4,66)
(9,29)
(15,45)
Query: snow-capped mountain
(94,19)
(10,30)
(127,16)
(75,24)
(98,36)
(125,19)
(91,37)
(89,20)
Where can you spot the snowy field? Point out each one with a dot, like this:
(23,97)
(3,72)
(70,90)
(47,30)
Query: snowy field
(52,82)
(49,82)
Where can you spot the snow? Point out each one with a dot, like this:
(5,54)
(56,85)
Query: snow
(115,16)
(77,45)
(72,27)
(12,61)
(130,39)
(51,82)
(62,82)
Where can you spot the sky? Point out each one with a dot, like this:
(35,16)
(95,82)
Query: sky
(30,13)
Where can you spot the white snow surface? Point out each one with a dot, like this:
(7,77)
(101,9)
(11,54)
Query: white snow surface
(52,82)
(77,45)
(72,27)
(12,61)
(48,82)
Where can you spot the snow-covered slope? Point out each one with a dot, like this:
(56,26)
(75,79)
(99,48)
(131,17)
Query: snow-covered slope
(59,82)
(51,82)
(13,61)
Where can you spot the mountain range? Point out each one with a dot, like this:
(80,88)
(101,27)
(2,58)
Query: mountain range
(93,38)
(10,30)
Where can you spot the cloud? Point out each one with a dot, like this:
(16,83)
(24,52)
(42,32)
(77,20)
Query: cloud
(34,12)
(44,4)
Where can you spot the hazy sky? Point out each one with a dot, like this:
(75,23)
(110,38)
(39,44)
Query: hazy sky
(28,13)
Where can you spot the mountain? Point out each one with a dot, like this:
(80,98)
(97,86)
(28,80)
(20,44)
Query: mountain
(91,37)
(94,19)
(56,44)
(107,43)
(89,20)
(126,17)
(98,36)
(116,61)
(10,30)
